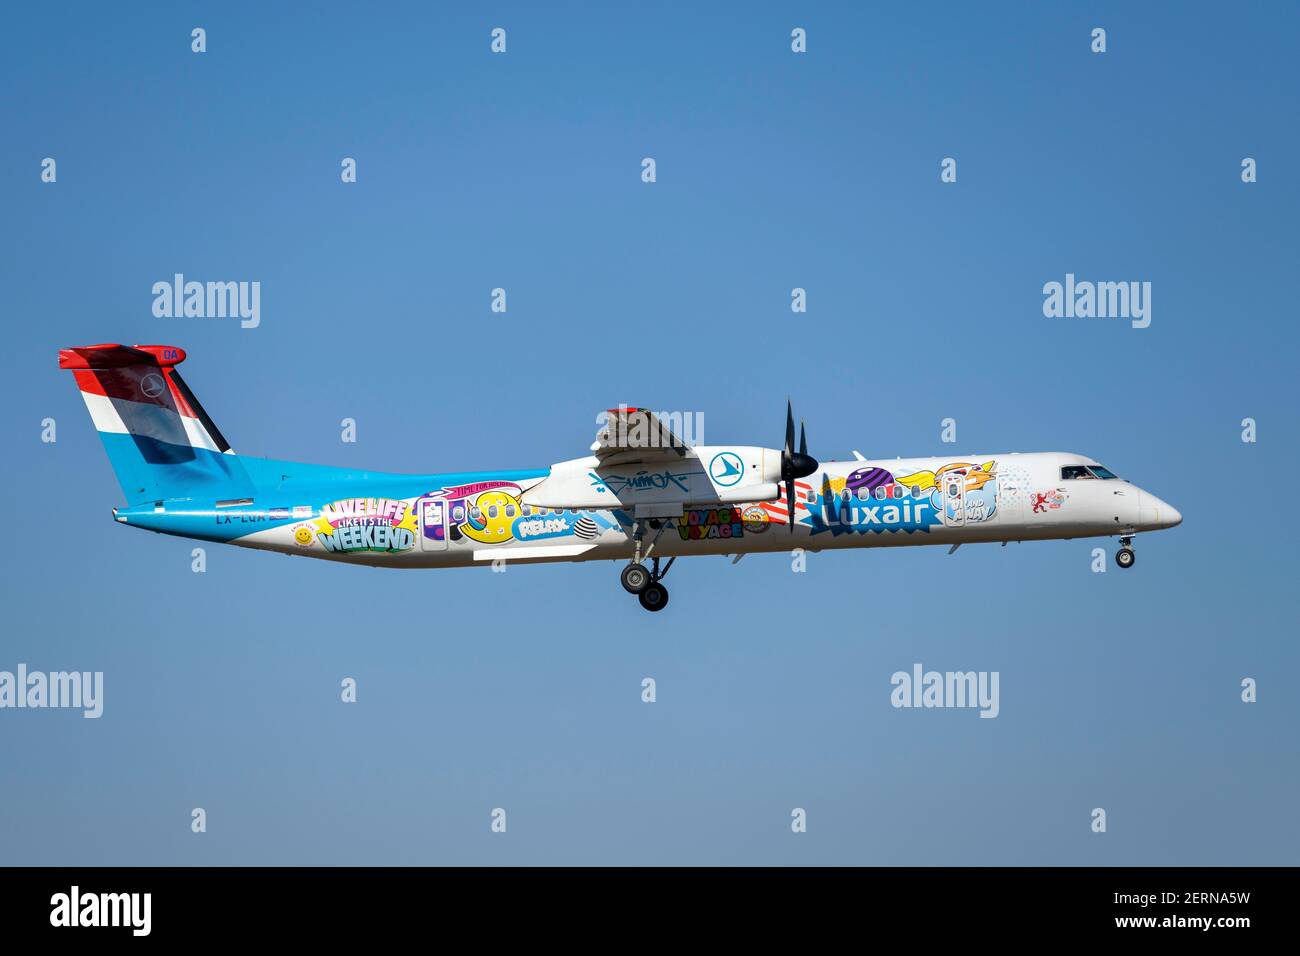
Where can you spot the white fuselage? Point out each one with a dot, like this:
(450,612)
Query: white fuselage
(695,506)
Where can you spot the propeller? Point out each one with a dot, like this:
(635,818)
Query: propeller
(794,464)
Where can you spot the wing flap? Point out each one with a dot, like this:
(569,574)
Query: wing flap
(629,432)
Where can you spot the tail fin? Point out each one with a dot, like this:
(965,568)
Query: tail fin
(160,441)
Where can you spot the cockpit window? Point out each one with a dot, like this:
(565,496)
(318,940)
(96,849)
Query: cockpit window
(1069,472)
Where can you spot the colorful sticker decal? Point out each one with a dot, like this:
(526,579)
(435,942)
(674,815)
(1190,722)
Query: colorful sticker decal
(842,513)
(872,499)
(484,512)
(776,510)
(969,491)
(868,478)
(476,511)
(755,519)
(698,524)
(545,526)
(491,517)
(366,524)
(1052,498)
(453,492)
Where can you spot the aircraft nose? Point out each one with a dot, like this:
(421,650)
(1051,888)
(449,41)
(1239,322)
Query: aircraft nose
(1158,514)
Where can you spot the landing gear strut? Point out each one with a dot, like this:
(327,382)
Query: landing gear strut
(1125,557)
(644,583)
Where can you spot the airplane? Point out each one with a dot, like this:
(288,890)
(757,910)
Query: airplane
(642,495)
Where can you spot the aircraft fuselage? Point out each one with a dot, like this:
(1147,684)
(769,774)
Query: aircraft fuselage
(476,518)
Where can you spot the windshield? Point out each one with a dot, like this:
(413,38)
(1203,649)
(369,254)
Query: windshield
(1072,472)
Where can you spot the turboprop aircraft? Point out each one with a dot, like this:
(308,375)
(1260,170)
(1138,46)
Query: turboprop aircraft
(640,496)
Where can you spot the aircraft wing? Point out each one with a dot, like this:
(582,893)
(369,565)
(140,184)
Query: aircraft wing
(630,434)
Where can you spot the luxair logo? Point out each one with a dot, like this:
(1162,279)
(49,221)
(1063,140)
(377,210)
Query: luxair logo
(209,300)
(726,469)
(1098,300)
(75,908)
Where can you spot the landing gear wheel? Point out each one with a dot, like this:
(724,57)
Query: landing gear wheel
(635,578)
(654,597)
(1125,557)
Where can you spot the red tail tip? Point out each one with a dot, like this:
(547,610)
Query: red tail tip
(113,355)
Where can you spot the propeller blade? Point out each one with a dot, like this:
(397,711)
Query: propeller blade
(789,427)
(795,464)
(789,502)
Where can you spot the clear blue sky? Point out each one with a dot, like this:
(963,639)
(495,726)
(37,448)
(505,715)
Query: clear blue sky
(775,170)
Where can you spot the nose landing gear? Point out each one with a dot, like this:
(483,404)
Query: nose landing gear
(637,579)
(1125,557)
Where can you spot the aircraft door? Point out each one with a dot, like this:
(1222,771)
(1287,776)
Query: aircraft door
(954,500)
(433,525)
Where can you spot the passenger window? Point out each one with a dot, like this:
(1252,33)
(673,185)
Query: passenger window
(510,511)
(880,492)
(864,494)
(492,511)
(898,491)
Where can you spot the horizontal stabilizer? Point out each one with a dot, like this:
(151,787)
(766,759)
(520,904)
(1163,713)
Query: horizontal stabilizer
(120,356)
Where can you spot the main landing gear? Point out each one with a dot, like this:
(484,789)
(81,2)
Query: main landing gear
(636,578)
(644,583)
(1125,557)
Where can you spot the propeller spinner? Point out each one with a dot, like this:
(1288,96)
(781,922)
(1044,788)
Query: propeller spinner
(794,464)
